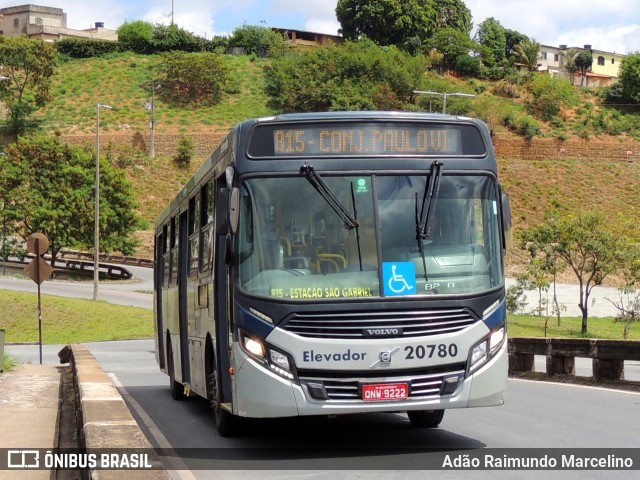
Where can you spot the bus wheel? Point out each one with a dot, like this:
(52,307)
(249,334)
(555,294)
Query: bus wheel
(425,418)
(177,389)
(226,423)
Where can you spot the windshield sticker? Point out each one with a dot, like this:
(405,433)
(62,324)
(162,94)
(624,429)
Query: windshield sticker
(301,293)
(399,278)
(361,186)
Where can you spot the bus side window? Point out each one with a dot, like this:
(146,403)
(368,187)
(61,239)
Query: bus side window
(165,255)
(207,195)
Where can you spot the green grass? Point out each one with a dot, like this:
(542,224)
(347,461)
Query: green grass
(600,327)
(9,363)
(123,81)
(69,320)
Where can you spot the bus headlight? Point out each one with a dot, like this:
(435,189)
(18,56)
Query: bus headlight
(478,356)
(254,347)
(495,341)
(487,348)
(278,362)
(279,359)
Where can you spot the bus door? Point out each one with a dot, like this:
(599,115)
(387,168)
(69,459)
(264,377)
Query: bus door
(222,293)
(158,279)
(183,258)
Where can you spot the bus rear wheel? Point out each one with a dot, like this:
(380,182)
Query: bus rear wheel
(177,389)
(226,423)
(425,418)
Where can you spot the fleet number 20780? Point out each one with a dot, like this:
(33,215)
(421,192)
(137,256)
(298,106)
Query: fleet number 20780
(441,350)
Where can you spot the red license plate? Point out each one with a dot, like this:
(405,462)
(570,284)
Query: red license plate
(377,392)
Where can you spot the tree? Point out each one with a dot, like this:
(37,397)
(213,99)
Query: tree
(527,52)
(136,36)
(29,65)
(589,243)
(491,34)
(452,44)
(453,14)
(513,38)
(166,38)
(257,40)
(404,23)
(386,22)
(583,62)
(570,63)
(629,77)
(48,187)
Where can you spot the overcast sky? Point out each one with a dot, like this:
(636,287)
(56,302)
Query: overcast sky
(609,25)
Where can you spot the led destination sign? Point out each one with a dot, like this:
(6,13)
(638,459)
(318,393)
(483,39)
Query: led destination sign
(365,139)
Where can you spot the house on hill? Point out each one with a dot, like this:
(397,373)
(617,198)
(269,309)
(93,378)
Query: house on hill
(46,23)
(604,71)
(302,38)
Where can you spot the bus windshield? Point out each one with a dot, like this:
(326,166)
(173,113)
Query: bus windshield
(292,245)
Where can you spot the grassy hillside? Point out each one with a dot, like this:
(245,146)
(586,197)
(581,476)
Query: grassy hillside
(124,81)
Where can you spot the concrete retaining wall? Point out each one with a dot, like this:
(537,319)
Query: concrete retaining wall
(102,417)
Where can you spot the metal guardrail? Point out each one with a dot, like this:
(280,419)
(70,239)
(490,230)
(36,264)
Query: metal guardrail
(119,259)
(77,267)
(607,356)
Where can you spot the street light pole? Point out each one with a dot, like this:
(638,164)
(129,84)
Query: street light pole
(96,219)
(152,123)
(444,96)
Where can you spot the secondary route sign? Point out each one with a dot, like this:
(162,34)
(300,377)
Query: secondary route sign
(39,271)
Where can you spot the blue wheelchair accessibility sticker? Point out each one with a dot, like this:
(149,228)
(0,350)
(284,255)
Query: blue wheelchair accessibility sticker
(399,278)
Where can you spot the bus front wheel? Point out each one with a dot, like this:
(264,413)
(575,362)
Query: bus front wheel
(425,418)
(226,423)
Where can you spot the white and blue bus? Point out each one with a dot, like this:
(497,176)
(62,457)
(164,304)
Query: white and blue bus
(336,263)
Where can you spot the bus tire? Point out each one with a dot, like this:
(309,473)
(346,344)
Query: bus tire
(425,418)
(227,424)
(176,388)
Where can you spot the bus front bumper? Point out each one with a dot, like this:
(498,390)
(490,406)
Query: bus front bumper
(260,393)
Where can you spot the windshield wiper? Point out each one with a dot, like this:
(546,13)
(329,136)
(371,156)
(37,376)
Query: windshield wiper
(429,200)
(325,192)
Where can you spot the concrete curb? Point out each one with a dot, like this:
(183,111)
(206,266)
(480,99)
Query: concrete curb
(102,417)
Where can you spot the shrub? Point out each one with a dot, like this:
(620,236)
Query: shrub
(468,66)
(358,75)
(186,150)
(188,77)
(551,94)
(528,127)
(86,47)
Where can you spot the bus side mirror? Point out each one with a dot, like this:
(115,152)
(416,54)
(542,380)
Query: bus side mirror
(234,210)
(507,231)
(227,211)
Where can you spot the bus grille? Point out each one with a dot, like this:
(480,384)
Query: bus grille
(379,324)
(345,386)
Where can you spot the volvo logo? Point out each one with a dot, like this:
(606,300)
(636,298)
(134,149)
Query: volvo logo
(382,332)
(385,357)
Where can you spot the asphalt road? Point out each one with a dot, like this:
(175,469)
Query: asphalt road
(536,416)
(137,292)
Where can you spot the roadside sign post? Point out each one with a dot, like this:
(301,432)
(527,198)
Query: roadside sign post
(39,271)
(1,351)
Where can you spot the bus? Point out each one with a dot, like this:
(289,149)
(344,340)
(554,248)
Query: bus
(337,263)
